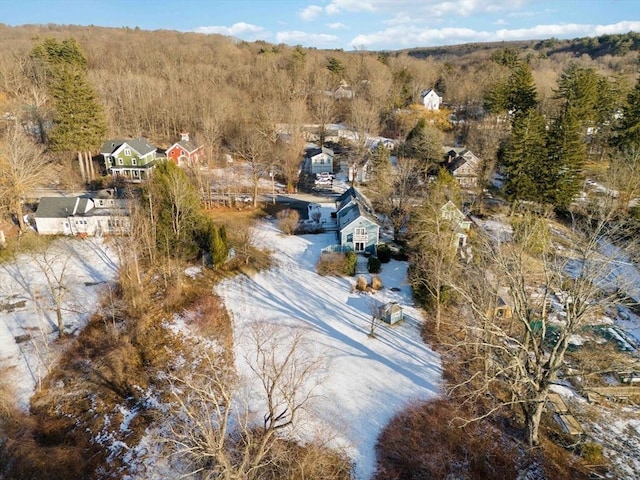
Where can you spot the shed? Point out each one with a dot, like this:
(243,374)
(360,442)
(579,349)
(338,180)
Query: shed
(390,313)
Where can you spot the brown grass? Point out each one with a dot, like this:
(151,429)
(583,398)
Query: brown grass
(331,264)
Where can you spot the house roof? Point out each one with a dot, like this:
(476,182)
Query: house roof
(62,207)
(460,158)
(140,145)
(186,145)
(350,194)
(427,92)
(353,212)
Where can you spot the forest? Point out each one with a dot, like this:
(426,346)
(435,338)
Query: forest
(542,116)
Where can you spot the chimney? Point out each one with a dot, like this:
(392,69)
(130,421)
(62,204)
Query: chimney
(184,136)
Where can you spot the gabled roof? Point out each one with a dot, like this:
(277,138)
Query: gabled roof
(350,194)
(186,145)
(461,158)
(427,92)
(62,207)
(140,145)
(353,212)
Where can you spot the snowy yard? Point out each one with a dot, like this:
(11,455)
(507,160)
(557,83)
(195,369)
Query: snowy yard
(368,380)
(28,323)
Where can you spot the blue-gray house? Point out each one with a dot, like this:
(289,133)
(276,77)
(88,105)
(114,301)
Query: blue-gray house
(358,227)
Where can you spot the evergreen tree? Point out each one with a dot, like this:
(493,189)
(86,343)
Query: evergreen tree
(219,248)
(523,158)
(517,94)
(578,88)
(79,123)
(627,132)
(424,143)
(566,152)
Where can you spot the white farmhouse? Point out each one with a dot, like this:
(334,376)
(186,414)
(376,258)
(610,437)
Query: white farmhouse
(431,100)
(81,216)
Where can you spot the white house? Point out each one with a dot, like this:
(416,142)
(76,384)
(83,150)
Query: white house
(431,100)
(320,160)
(81,216)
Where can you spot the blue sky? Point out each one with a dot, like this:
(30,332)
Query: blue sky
(346,24)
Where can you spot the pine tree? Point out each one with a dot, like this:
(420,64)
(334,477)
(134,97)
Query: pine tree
(79,123)
(523,158)
(566,152)
(627,133)
(517,94)
(424,143)
(578,89)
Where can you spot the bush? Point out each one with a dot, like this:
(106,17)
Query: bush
(376,283)
(331,264)
(591,452)
(374,265)
(361,284)
(384,253)
(288,220)
(350,264)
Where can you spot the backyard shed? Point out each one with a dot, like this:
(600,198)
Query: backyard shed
(390,313)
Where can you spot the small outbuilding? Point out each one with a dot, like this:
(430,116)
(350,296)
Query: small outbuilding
(390,313)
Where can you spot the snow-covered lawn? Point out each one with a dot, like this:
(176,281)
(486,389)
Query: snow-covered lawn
(368,380)
(28,324)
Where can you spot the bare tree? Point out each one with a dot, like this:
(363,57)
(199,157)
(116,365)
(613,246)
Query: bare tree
(253,147)
(215,430)
(54,265)
(22,167)
(523,351)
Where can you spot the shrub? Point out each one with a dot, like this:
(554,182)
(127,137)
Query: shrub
(373,265)
(376,282)
(591,452)
(401,255)
(384,253)
(350,264)
(288,220)
(331,264)
(361,284)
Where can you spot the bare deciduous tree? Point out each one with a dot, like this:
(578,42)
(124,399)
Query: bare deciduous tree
(54,266)
(22,165)
(215,430)
(523,351)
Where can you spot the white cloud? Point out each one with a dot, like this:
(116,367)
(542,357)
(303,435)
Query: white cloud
(296,37)
(310,13)
(500,21)
(237,29)
(425,8)
(336,26)
(411,36)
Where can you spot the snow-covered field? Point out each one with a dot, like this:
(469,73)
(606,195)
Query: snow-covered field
(366,380)
(28,323)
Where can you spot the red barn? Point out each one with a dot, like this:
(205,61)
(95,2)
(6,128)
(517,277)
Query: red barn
(185,152)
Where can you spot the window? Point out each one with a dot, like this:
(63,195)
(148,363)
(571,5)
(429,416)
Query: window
(127,152)
(135,173)
(359,247)
(109,160)
(134,161)
(360,232)
(120,162)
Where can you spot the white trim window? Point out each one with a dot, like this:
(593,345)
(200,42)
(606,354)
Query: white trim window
(134,161)
(127,152)
(120,162)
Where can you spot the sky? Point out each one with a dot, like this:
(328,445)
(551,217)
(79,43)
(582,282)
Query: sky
(344,24)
